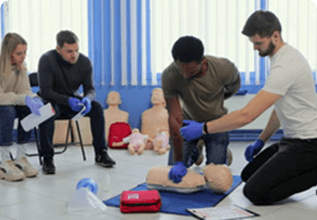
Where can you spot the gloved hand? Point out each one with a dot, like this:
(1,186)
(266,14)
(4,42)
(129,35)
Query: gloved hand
(192,130)
(253,149)
(177,172)
(75,104)
(87,104)
(34,104)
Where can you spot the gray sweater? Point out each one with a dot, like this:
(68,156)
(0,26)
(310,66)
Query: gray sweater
(59,80)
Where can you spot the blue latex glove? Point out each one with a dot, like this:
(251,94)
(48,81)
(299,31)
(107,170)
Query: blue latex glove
(75,104)
(253,149)
(87,104)
(191,130)
(34,104)
(177,172)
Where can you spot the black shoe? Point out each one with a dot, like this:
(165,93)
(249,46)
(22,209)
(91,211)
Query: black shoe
(196,156)
(48,166)
(104,160)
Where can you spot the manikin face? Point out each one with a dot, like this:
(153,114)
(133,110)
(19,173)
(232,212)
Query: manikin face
(135,130)
(69,52)
(18,55)
(264,45)
(157,96)
(113,98)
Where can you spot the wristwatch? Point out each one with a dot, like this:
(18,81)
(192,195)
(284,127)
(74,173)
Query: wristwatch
(205,128)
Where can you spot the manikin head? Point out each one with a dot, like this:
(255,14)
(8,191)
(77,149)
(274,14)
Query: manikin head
(218,177)
(135,130)
(113,98)
(163,131)
(157,97)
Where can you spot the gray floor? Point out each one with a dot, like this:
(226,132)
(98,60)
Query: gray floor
(46,197)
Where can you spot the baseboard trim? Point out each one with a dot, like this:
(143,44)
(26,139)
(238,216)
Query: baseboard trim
(236,135)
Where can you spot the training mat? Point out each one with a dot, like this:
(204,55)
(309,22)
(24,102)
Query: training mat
(177,203)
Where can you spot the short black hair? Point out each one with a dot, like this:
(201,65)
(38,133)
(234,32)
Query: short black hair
(263,23)
(188,49)
(66,37)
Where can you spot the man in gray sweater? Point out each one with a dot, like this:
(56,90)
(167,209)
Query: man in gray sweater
(61,72)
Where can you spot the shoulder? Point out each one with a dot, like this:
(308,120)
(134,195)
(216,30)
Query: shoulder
(146,112)
(170,70)
(48,57)
(222,65)
(289,59)
(84,62)
(84,59)
(49,54)
(219,61)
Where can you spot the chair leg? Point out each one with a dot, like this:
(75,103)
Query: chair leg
(38,146)
(80,140)
(69,129)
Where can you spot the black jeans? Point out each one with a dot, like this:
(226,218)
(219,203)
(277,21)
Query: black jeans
(97,125)
(281,170)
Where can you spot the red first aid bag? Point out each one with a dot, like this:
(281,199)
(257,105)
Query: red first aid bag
(117,132)
(140,201)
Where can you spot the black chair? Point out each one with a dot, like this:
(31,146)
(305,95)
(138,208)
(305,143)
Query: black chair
(34,83)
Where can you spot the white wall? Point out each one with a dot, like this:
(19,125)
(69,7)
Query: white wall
(238,102)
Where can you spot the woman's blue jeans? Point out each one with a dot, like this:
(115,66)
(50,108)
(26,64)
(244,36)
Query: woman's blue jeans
(7,115)
(216,149)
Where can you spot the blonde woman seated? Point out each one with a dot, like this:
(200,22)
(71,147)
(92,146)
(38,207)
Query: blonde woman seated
(16,101)
(136,142)
(161,141)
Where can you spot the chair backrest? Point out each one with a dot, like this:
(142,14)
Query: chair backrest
(33,79)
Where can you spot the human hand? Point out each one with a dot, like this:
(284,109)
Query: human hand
(253,149)
(87,104)
(34,104)
(191,130)
(177,172)
(75,104)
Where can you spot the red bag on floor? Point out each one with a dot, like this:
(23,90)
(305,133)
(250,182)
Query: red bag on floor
(140,201)
(117,132)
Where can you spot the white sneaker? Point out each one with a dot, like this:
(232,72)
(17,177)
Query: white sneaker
(10,172)
(24,165)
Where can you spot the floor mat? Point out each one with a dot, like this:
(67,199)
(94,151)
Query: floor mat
(176,203)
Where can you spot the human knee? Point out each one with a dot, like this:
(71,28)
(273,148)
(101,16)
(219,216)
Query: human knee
(96,107)
(256,196)
(8,113)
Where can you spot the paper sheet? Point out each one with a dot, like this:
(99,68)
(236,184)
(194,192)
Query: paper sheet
(79,114)
(222,213)
(33,120)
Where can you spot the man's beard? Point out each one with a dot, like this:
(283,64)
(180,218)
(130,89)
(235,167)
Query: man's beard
(268,51)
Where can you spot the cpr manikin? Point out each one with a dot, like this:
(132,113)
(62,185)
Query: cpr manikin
(161,141)
(113,113)
(218,178)
(156,117)
(136,142)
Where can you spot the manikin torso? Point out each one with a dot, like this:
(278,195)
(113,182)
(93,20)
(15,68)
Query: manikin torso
(155,117)
(113,113)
